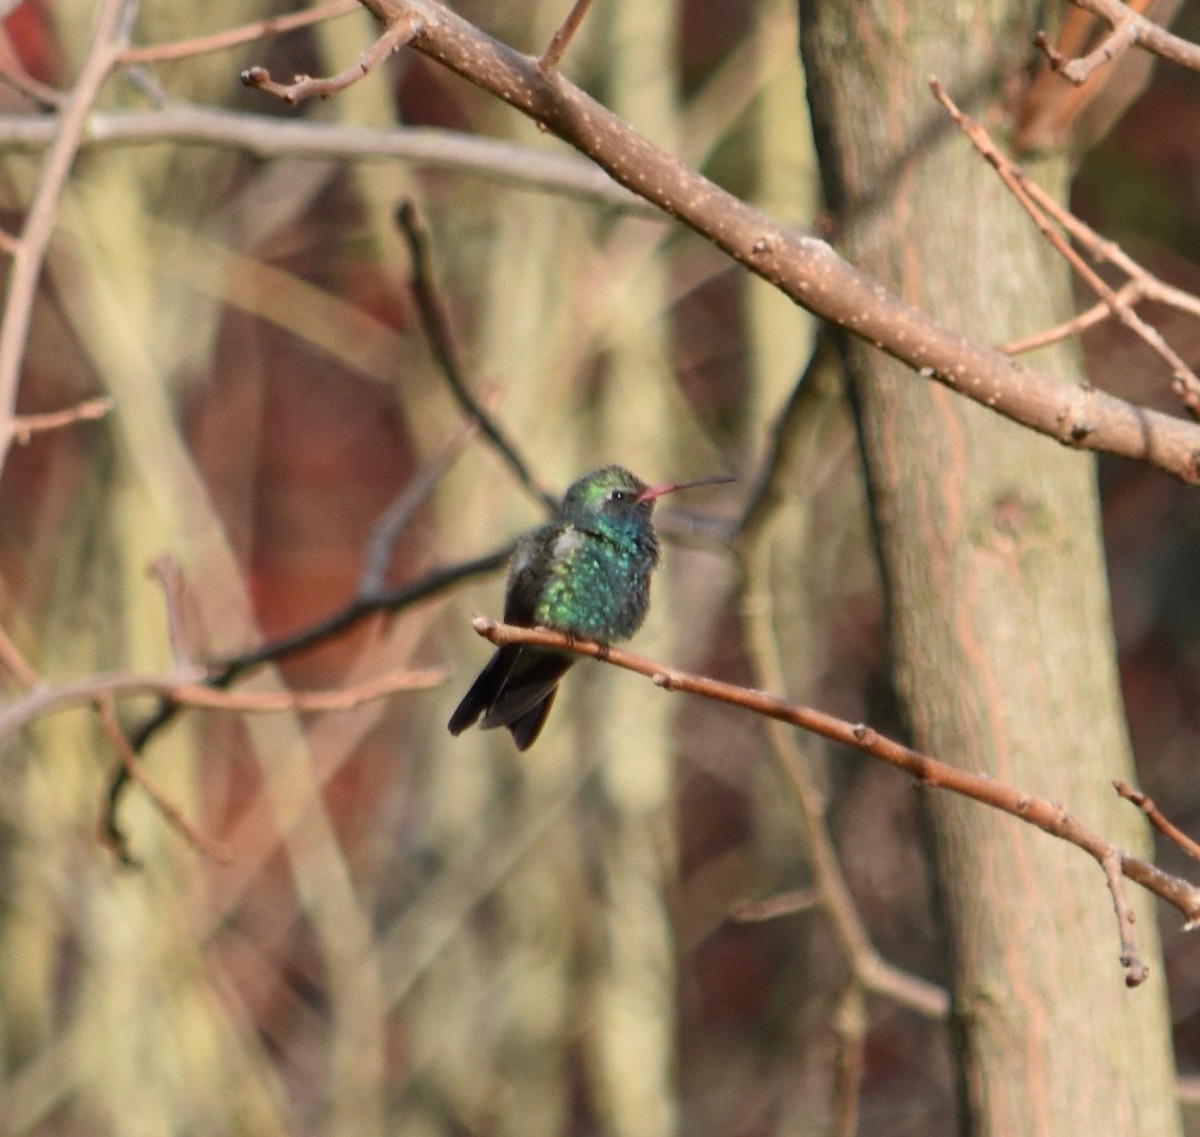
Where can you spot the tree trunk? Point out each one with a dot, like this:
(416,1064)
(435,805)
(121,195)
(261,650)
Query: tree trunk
(989,542)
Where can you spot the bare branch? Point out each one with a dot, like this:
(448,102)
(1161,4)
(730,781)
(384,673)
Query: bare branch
(170,580)
(1160,822)
(264,137)
(1129,28)
(162,801)
(850,1026)
(24,427)
(395,36)
(441,343)
(49,699)
(563,35)
(1136,972)
(928,771)
(108,41)
(1036,202)
(228,670)
(804,267)
(395,519)
(867,968)
(234,37)
(784,904)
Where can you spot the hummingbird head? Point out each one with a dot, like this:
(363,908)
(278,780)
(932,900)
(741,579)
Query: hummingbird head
(613,493)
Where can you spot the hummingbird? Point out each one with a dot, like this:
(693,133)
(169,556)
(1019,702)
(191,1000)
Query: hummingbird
(586,573)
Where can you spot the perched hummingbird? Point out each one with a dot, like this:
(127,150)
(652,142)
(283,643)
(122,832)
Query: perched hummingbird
(586,573)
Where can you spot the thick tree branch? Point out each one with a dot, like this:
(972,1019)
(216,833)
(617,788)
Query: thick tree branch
(804,267)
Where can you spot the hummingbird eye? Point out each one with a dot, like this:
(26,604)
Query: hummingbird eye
(619,495)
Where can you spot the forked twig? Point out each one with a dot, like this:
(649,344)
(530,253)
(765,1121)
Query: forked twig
(1129,29)
(395,36)
(1037,203)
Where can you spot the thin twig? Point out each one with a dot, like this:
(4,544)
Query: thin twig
(1129,293)
(234,37)
(15,662)
(113,25)
(1141,286)
(24,427)
(184,690)
(1160,822)
(1078,71)
(765,489)
(395,36)
(850,1026)
(1136,972)
(394,600)
(441,344)
(1032,199)
(563,35)
(162,801)
(395,519)
(928,771)
(782,904)
(170,580)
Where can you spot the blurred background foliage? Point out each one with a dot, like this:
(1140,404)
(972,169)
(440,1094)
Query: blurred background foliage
(419,935)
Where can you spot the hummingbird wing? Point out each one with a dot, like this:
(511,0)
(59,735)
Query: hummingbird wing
(516,682)
(526,729)
(488,683)
(517,687)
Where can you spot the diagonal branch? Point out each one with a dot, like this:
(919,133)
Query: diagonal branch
(1053,819)
(436,324)
(804,267)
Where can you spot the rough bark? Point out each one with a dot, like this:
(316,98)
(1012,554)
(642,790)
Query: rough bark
(989,541)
